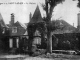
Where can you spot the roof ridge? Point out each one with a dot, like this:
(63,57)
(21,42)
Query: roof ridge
(1,19)
(22,25)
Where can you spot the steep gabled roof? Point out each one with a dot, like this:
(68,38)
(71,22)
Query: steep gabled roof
(20,24)
(2,21)
(66,25)
(21,29)
(67,28)
(36,16)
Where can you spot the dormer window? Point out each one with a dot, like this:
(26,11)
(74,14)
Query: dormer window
(14,29)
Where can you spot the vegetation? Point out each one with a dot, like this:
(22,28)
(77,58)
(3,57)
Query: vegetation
(79,3)
(4,33)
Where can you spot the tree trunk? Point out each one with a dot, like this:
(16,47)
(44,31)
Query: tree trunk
(49,42)
(48,20)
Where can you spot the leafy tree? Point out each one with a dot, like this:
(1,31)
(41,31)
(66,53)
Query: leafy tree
(48,7)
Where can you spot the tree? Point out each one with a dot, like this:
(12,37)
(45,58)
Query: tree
(48,7)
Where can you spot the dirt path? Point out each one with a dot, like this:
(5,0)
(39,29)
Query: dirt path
(27,57)
(35,58)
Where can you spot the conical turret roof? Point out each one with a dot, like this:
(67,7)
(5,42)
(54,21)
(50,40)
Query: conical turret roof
(36,16)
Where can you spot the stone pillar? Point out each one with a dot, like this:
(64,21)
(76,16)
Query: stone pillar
(11,43)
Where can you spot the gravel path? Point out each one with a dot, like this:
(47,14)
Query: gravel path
(41,57)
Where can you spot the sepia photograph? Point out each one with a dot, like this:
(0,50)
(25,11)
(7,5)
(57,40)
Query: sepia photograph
(39,29)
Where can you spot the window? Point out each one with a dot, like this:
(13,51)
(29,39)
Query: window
(3,30)
(37,33)
(14,29)
(37,40)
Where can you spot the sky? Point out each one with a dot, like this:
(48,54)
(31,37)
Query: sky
(67,11)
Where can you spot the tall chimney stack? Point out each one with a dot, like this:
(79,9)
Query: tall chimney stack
(78,27)
(12,19)
(73,24)
(30,16)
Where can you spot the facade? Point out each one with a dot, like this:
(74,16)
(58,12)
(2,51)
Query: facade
(17,31)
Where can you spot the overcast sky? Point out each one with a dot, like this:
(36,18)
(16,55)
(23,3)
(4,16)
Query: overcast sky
(67,11)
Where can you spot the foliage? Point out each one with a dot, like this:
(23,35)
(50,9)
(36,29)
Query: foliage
(32,27)
(39,26)
(49,6)
(79,3)
(1,30)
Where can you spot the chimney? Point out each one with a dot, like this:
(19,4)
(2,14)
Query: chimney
(73,24)
(12,19)
(30,16)
(78,27)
